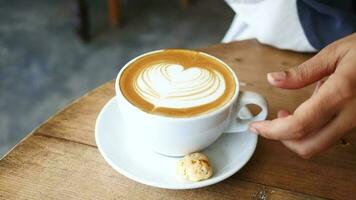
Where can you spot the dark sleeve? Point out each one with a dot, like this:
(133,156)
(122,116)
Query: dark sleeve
(326,21)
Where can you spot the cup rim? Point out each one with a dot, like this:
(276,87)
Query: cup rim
(200,116)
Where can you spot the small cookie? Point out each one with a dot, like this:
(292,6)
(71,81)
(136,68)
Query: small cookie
(194,167)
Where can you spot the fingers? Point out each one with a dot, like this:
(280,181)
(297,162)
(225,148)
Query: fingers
(282,128)
(320,140)
(282,113)
(308,117)
(285,113)
(318,85)
(312,70)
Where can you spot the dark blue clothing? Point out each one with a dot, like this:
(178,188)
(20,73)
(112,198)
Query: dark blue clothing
(326,21)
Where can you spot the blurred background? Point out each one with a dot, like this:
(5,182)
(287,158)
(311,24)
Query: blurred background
(52,52)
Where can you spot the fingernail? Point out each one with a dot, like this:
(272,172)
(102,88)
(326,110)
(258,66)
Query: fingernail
(276,76)
(253,130)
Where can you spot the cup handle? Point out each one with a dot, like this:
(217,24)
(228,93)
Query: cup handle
(240,125)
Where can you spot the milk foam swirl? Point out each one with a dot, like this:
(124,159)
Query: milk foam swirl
(172,86)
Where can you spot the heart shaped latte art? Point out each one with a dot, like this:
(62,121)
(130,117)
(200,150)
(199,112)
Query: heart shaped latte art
(172,86)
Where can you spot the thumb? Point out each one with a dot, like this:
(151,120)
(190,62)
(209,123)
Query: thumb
(312,70)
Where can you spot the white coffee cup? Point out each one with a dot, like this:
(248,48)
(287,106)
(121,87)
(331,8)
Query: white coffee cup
(180,136)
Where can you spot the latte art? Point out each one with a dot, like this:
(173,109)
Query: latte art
(177,83)
(170,85)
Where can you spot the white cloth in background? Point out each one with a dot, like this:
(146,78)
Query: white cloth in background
(272,22)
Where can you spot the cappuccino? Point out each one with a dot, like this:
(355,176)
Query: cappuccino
(177,83)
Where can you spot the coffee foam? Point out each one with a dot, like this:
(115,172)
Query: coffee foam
(170,85)
(177,83)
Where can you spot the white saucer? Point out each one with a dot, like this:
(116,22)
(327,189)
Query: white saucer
(135,160)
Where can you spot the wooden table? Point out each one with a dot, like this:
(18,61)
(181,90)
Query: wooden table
(60,159)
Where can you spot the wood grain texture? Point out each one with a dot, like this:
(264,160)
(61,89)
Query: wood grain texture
(62,159)
(44,167)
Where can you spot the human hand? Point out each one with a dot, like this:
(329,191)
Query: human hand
(329,113)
